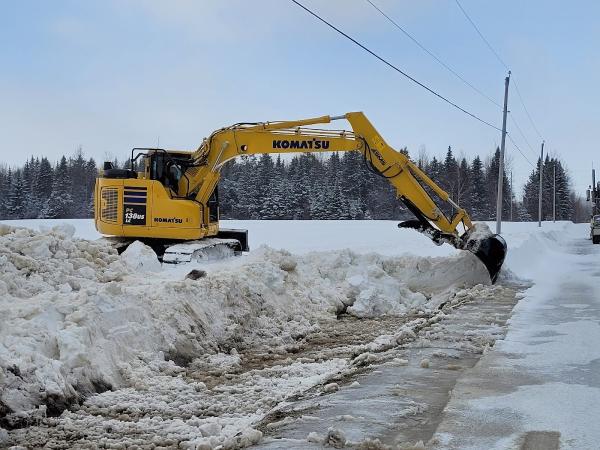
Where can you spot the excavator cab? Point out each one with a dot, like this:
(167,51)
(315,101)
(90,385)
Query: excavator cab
(167,167)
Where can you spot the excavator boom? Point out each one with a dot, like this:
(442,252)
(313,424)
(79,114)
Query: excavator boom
(184,184)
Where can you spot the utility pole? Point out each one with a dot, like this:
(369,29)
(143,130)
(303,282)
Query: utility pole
(501,162)
(594,192)
(554,192)
(541,181)
(511,197)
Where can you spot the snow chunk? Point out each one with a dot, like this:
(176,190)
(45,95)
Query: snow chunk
(288,264)
(335,438)
(331,387)
(315,438)
(64,230)
(3,433)
(479,231)
(140,257)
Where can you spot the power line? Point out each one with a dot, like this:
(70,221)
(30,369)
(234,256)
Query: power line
(503,63)
(396,68)
(527,112)
(519,149)
(481,35)
(442,63)
(522,134)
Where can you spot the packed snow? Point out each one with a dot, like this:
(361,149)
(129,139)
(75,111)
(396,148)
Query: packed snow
(78,319)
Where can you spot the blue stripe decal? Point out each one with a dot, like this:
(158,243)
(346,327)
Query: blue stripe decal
(134,200)
(135,193)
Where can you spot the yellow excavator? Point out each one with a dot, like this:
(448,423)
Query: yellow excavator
(172,204)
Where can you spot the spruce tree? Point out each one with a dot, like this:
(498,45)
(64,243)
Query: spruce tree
(530,194)
(479,199)
(15,204)
(91,172)
(463,184)
(354,182)
(492,187)
(60,204)
(4,184)
(78,187)
(43,186)
(29,201)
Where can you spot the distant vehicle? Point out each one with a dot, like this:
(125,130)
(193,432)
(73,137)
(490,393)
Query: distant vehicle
(595,229)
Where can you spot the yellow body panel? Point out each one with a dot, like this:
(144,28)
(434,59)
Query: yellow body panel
(155,215)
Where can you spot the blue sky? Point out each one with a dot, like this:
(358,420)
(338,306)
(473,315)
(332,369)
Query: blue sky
(114,74)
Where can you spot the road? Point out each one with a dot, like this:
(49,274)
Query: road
(397,402)
(540,387)
(537,388)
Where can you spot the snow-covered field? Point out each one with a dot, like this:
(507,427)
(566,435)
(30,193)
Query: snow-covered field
(296,236)
(143,343)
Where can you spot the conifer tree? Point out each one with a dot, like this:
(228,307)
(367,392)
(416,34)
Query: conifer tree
(15,199)
(492,187)
(60,204)
(4,184)
(479,200)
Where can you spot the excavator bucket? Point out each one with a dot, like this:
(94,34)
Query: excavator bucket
(491,251)
(488,247)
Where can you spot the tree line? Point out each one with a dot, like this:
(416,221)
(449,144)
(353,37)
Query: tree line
(342,187)
(40,189)
(309,186)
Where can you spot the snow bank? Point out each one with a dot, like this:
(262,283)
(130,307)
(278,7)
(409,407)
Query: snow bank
(75,314)
(531,247)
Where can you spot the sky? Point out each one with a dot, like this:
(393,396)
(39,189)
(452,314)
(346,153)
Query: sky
(111,75)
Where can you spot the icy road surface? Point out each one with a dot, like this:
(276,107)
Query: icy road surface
(540,387)
(103,350)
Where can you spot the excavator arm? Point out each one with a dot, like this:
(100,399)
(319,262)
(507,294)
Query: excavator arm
(409,180)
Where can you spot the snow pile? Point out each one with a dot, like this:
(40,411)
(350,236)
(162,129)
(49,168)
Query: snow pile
(372,285)
(46,279)
(76,315)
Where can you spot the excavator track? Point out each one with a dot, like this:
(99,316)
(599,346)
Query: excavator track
(178,252)
(208,249)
